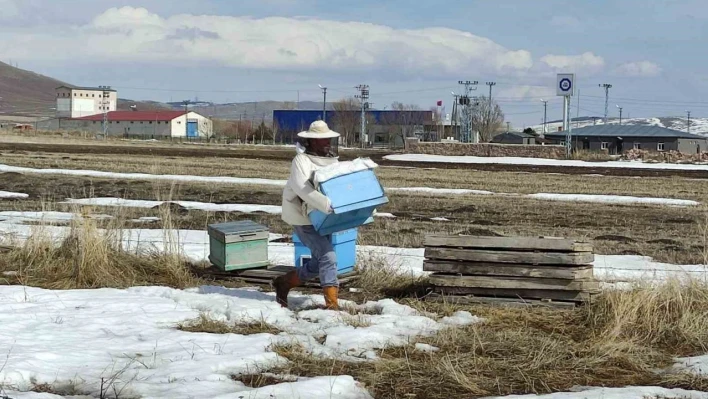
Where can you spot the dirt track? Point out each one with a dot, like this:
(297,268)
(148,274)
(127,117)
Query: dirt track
(286,154)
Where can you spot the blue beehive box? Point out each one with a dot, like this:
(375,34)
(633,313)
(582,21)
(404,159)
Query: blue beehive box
(354,198)
(344,243)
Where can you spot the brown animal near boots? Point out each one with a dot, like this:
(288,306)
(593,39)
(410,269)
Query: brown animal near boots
(331,297)
(283,285)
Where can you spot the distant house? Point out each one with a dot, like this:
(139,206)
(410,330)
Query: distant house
(616,139)
(154,124)
(514,138)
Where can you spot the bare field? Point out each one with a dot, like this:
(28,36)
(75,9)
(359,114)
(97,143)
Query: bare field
(670,234)
(501,182)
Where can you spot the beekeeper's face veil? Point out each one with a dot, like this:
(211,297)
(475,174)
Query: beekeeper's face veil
(320,141)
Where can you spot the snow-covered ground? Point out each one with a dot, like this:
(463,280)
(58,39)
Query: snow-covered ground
(541,162)
(77,337)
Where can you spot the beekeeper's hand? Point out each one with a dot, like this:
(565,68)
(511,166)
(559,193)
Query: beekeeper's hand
(330,210)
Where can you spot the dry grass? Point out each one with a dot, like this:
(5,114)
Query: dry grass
(672,317)
(621,340)
(592,156)
(376,280)
(205,324)
(261,380)
(90,258)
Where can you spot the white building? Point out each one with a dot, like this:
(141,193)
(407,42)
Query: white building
(77,102)
(148,124)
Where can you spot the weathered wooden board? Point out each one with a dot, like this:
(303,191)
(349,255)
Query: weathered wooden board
(574,296)
(508,243)
(509,270)
(266,275)
(512,283)
(532,258)
(505,302)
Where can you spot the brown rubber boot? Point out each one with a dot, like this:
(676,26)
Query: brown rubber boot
(331,297)
(282,286)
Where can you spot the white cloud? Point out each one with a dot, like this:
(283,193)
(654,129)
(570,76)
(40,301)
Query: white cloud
(135,34)
(639,69)
(527,93)
(583,63)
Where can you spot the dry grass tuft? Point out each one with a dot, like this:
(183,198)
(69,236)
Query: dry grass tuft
(376,280)
(205,324)
(90,258)
(261,380)
(671,316)
(592,156)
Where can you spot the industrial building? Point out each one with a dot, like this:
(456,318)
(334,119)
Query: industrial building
(616,139)
(77,102)
(384,128)
(153,124)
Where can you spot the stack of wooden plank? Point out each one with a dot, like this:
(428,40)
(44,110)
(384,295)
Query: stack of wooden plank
(513,270)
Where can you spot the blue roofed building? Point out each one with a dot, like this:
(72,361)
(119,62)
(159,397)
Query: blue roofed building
(384,128)
(616,139)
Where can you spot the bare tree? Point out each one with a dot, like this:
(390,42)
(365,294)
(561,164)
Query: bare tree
(487,121)
(347,119)
(403,122)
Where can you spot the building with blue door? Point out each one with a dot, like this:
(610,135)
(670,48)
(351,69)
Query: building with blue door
(147,124)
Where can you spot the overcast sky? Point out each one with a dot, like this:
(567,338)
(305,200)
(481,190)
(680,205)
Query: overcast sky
(651,51)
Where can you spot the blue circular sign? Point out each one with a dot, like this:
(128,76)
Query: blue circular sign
(565,84)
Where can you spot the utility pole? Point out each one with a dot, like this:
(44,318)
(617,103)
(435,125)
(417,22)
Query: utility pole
(607,88)
(508,129)
(186,123)
(324,104)
(467,112)
(364,97)
(545,109)
(688,122)
(620,108)
(105,103)
(489,112)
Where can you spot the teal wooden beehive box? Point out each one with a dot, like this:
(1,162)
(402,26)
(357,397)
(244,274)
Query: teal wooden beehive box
(238,245)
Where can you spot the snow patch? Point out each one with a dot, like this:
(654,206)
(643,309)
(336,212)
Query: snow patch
(12,195)
(612,199)
(540,162)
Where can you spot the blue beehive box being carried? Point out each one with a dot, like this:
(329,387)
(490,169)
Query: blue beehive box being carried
(344,243)
(354,195)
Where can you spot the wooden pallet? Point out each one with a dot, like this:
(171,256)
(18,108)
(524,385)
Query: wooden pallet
(521,270)
(266,275)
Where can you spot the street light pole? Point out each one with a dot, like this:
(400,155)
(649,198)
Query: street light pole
(620,108)
(324,104)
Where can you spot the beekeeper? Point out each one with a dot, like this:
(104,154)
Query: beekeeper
(316,148)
